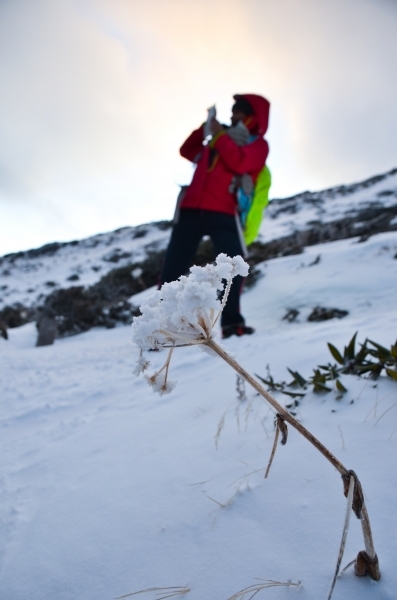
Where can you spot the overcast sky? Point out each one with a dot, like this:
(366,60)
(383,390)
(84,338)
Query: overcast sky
(97,96)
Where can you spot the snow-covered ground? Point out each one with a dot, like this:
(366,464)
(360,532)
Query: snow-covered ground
(107,488)
(287,215)
(27,277)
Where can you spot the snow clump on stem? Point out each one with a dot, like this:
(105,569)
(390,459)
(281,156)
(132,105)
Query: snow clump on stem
(184,313)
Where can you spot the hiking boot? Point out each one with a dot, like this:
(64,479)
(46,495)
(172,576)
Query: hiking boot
(238,329)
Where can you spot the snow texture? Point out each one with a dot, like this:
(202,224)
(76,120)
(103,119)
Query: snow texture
(107,489)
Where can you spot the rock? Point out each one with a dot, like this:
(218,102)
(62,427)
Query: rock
(3,330)
(77,309)
(47,327)
(16,315)
(291,315)
(319,313)
(315,261)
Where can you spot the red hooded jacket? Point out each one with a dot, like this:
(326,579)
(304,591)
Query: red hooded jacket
(221,159)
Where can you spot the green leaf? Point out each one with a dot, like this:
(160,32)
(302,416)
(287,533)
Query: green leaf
(350,350)
(392,373)
(362,353)
(319,377)
(333,371)
(293,394)
(320,387)
(382,349)
(393,351)
(335,353)
(340,387)
(298,379)
(369,366)
(270,383)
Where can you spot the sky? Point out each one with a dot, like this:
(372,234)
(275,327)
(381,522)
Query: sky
(98,95)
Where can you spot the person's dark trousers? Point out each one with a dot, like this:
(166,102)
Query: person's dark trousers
(193,224)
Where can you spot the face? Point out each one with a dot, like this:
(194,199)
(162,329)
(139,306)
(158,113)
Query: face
(237,115)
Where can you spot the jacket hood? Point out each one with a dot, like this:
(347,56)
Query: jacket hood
(261,108)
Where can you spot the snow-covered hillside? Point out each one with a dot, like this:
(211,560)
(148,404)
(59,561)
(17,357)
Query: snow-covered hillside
(347,211)
(108,489)
(27,277)
(366,200)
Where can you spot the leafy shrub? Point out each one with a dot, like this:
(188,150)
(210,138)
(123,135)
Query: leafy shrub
(371,359)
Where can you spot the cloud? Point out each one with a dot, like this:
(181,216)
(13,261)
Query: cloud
(67,108)
(98,95)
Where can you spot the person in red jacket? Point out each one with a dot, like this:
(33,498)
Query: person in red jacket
(208,206)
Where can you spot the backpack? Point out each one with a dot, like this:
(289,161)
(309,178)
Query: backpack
(251,204)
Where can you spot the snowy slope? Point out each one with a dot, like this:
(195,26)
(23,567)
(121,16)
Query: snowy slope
(287,215)
(28,277)
(106,488)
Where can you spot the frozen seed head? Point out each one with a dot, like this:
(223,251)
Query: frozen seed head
(184,312)
(160,383)
(141,365)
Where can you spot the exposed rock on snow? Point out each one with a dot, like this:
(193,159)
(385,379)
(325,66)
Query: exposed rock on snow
(319,313)
(28,279)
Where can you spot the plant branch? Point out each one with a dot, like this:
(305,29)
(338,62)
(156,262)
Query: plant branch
(344,534)
(278,408)
(367,561)
(273,450)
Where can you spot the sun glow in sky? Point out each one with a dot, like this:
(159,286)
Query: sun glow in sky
(98,95)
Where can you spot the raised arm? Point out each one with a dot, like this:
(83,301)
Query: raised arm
(193,146)
(241,159)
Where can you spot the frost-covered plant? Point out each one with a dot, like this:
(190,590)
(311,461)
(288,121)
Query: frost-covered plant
(184,313)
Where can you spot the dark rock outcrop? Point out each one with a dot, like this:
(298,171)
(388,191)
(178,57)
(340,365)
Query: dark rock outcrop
(319,313)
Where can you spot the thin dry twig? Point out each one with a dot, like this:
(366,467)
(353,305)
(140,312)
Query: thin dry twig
(273,452)
(342,438)
(351,563)
(373,409)
(173,591)
(221,425)
(344,534)
(362,389)
(216,502)
(245,476)
(376,401)
(257,587)
(370,558)
(386,411)
(279,409)
(228,503)
(390,436)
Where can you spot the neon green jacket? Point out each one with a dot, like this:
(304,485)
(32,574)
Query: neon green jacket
(259,202)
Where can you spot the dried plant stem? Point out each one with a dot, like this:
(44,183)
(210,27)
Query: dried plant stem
(257,587)
(367,533)
(225,297)
(277,433)
(278,408)
(169,591)
(372,565)
(344,534)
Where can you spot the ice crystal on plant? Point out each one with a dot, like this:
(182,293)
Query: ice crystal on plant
(141,365)
(184,313)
